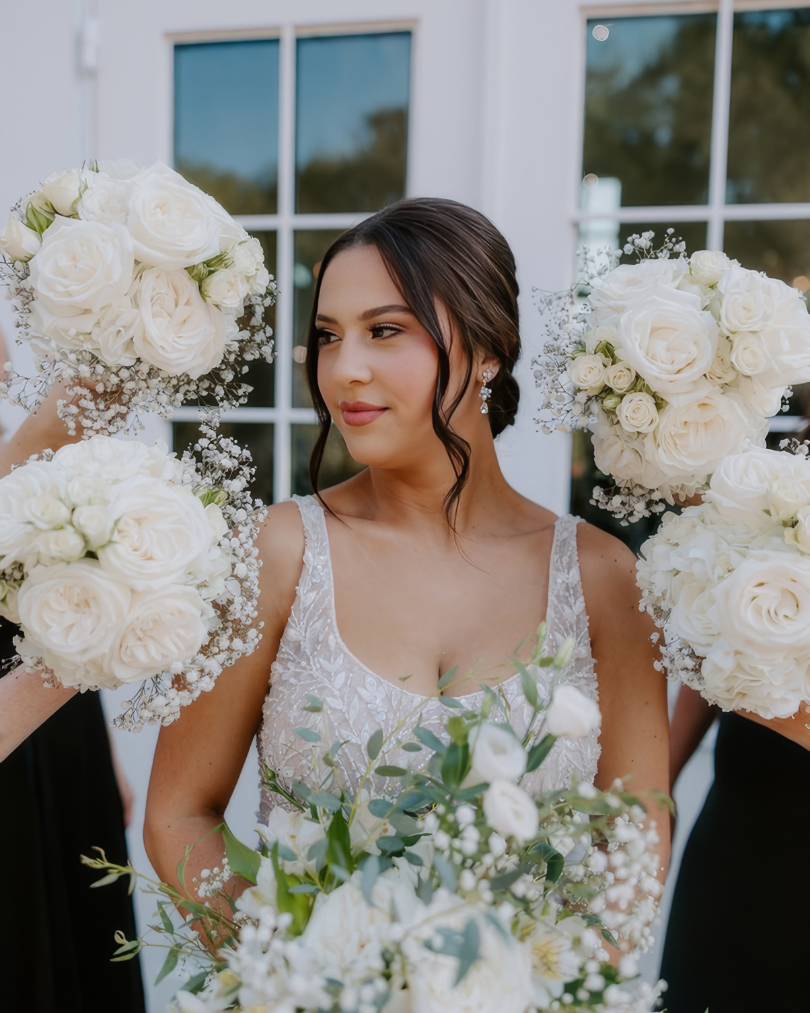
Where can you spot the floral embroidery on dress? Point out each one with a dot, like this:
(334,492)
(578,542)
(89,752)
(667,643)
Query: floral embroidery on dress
(313,661)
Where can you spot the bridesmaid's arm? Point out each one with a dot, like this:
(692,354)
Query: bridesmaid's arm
(200,756)
(632,694)
(25,704)
(42,430)
(691,719)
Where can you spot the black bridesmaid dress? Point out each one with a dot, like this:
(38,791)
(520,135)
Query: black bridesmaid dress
(738,939)
(59,798)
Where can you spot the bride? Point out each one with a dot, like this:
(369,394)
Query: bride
(424,562)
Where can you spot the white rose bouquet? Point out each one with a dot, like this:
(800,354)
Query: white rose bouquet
(672,363)
(728,583)
(135,289)
(455,890)
(123,564)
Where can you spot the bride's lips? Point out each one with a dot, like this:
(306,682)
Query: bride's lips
(360,413)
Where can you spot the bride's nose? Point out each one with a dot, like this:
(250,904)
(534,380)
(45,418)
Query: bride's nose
(352,363)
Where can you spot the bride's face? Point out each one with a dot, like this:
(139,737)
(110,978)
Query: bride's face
(377,365)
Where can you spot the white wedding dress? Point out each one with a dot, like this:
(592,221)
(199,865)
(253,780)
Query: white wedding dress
(313,661)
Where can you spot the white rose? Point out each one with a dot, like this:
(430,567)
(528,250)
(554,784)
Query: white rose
(748,354)
(695,434)
(630,285)
(114,334)
(163,627)
(746,302)
(511,811)
(761,399)
(179,332)
(17,489)
(46,511)
(61,191)
(721,370)
(227,289)
(72,612)
(763,607)
(82,267)
(637,413)
(707,267)
(735,681)
(571,713)
(171,221)
(786,337)
(105,200)
(63,545)
(295,831)
(115,460)
(17,241)
(94,523)
(741,483)
(588,371)
(161,534)
(670,343)
(260,281)
(790,493)
(800,534)
(616,452)
(247,257)
(499,982)
(692,618)
(620,377)
(496,755)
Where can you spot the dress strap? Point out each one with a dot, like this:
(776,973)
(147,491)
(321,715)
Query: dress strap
(315,570)
(567,616)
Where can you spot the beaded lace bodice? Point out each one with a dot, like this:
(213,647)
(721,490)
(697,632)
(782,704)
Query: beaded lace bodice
(313,661)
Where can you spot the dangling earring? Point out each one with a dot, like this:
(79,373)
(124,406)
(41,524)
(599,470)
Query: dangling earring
(486,391)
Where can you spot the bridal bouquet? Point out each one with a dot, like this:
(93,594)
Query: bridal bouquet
(455,890)
(135,289)
(672,364)
(728,582)
(123,564)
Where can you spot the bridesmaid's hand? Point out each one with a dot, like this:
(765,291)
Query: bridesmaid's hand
(797,728)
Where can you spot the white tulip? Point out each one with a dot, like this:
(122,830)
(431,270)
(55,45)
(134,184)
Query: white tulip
(17,241)
(511,811)
(571,713)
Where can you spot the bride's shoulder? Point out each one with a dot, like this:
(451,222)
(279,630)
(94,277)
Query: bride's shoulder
(607,566)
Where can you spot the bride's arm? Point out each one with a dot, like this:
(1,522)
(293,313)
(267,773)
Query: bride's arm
(25,703)
(199,757)
(632,694)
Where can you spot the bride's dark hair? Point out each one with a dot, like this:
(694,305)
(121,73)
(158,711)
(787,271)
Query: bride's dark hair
(437,249)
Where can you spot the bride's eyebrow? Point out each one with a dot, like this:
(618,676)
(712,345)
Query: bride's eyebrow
(378,311)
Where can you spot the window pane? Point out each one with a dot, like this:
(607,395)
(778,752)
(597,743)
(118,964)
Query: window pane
(598,233)
(337,464)
(769,129)
(648,104)
(257,437)
(226,121)
(351,121)
(309,247)
(782,250)
(261,374)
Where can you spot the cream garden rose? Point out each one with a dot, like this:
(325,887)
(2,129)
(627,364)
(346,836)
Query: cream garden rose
(637,413)
(178,332)
(707,267)
(748,354)
(17,241)
(629,284)
(620,377)
(171,221)
(588,372)
(61,190)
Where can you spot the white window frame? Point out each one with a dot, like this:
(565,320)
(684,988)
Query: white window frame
(716,212)
(286,222)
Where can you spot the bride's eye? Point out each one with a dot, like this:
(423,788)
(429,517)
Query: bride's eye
(325,337)
(385,331)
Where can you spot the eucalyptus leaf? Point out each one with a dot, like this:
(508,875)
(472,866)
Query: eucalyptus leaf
(427,738)
(374,744)
(169,964)
(389,770)
(470,949)
(447,678)
(242,860)
(539,752)
(307,734)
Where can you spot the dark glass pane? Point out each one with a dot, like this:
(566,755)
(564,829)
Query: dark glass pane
(257,437)
(309,248)
(261,374)
(351,121)
(613,234)
(648,106)
(337,464)
(769,129)
(226,121)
